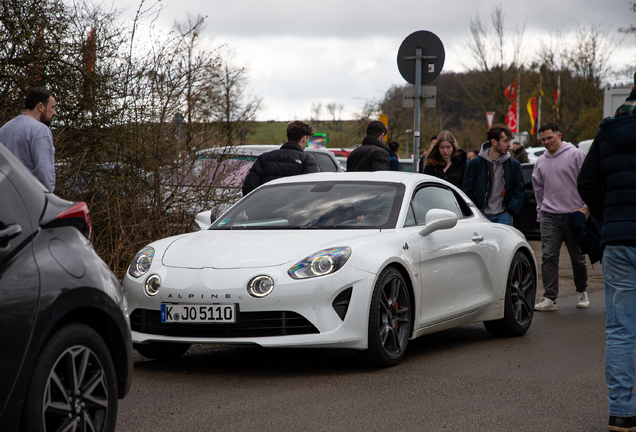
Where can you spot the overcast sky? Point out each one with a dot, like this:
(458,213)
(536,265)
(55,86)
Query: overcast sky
(299,52)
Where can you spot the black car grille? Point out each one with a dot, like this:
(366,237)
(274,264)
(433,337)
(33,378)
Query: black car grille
(249,324)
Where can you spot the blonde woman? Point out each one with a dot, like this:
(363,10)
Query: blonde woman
(444,160)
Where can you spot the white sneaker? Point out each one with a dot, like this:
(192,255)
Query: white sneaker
(582,300)
(545,304)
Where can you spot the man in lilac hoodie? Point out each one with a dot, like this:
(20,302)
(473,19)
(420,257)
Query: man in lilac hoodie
(554,181)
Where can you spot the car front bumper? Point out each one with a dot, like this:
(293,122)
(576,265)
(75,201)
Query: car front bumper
(326,311)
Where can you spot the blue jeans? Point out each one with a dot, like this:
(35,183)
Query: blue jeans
(619,271)
(502,218)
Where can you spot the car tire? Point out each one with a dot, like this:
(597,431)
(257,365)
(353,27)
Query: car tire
(162,350)
(73,385)
(390,321)
(519,302)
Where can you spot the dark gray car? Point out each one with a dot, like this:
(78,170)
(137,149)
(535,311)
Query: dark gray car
(67,351)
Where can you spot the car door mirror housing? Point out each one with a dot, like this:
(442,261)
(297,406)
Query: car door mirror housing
(438,219)
(205,219)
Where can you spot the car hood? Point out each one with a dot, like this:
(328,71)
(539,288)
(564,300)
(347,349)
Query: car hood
(223,249)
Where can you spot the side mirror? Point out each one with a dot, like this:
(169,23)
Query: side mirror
(438,219)
(205,219)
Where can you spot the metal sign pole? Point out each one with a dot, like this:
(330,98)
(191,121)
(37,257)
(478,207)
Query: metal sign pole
(426,46)
(416,110)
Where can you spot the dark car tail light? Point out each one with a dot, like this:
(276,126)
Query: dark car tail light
(78,211)
(60,212)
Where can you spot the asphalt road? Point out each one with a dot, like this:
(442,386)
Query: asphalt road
(462,379)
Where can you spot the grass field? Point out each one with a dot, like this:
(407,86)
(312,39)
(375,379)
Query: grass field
(340,134)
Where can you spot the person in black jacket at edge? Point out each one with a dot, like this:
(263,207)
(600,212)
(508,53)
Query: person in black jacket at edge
(444,160)
(372,155)
(287,161)
(607,184)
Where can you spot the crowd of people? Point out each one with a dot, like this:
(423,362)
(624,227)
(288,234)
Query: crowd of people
(569,187)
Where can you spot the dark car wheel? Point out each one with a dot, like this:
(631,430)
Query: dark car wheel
(162,350)
(519,302)
(389,319)
(73,385)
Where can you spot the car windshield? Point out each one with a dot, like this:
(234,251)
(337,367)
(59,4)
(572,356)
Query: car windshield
(317,205)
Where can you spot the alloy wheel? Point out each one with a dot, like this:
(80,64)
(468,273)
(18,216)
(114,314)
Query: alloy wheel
(522,292)
(394,316)
(76,394)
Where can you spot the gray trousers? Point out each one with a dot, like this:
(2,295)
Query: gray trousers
(555,229)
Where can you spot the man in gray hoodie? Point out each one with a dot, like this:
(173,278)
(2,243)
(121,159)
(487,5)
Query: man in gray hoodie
(29,138)
(554,182)
(493,180)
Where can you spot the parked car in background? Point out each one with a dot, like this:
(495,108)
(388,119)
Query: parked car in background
(534,153)
(219,172)
(406,165)
(361,261)
(585,145)
(342,161)
(342,152)
(247,155)
(526,220)
(64,328)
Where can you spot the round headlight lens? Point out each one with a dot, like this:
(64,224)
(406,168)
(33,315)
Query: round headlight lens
(142,262)
(152,285)
(260,286)
(322,265)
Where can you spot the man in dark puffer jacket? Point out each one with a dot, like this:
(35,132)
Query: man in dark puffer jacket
(607,184)
(372,155)
(287,161)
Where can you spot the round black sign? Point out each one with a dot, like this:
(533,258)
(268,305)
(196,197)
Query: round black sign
(431,46)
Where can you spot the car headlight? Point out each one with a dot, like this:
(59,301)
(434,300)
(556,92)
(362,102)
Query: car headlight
(260,286)
(142,261)
(321,263)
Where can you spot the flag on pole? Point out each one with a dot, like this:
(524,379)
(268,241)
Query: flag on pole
(532,110)
(511,114)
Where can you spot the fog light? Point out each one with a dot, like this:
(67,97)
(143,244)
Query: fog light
(260,286)
(152,285)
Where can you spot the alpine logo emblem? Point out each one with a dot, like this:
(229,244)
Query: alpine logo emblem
(203,296)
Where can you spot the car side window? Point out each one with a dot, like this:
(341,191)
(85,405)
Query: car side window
(433,197)
(325,163)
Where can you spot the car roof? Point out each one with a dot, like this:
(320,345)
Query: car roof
(407,178)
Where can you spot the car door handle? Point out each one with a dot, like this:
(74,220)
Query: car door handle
(10,232)
(477,238)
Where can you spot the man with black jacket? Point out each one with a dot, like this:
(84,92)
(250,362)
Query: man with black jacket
(287,161)
(372,155)
(606,183)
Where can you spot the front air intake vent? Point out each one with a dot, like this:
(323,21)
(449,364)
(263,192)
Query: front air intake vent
(341,303)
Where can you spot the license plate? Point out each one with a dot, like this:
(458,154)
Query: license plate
(198,313)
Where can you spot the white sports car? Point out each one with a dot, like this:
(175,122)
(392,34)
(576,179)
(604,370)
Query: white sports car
(364,261)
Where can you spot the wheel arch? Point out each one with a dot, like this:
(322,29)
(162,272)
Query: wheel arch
(103,324)
(99,311)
